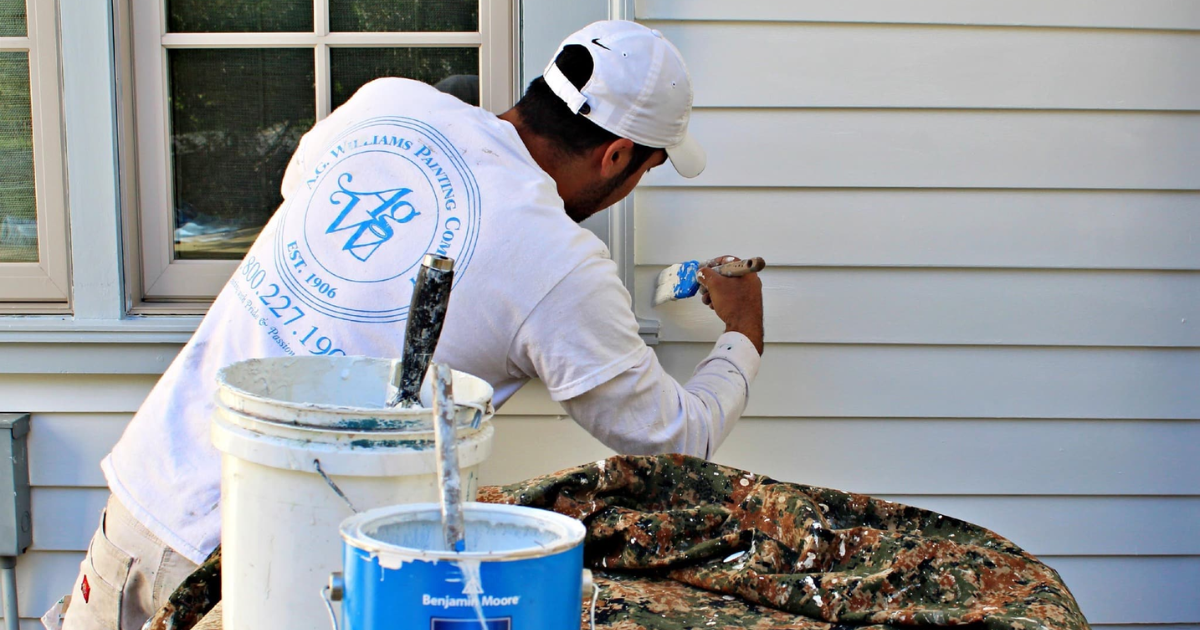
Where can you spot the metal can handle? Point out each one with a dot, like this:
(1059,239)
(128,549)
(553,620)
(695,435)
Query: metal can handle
(590,588)
(333,592)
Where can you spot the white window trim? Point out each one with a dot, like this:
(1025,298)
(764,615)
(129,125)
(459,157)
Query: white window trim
(44,286)
(156,283)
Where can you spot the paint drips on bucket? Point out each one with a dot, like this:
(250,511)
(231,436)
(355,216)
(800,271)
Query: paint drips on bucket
(473,588)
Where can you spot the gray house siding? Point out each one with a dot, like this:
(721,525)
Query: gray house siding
(982,221)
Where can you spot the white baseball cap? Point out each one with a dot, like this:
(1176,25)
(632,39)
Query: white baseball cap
(639,89)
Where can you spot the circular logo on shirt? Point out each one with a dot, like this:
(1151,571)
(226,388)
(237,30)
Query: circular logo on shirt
(385,193)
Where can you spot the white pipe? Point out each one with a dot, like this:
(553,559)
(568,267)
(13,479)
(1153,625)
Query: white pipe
(8,583)
(621,10)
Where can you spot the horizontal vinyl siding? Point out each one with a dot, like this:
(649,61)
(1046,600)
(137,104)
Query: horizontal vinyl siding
(885,148)
(921,457)
(884,381)
(144,359)
(1043,229)
(957,306)
(1079,525)
(913,66)
(981,222)
(81,397)
(83,393)
(964,457)
(42,578)
(1121,14)
(65,449)
(66,534)
(76,420)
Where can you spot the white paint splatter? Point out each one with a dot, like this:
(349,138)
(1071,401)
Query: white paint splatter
(474,587)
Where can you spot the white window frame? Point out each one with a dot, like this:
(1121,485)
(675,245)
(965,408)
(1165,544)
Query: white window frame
(43,286)
(158,283)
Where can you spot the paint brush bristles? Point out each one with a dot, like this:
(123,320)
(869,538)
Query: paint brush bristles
(681,281)
(677,282)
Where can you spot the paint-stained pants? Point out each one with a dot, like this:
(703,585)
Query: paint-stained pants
(127,576)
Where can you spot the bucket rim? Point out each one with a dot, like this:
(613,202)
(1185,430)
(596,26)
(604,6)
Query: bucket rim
(570,535)
(482,417)
(226,388)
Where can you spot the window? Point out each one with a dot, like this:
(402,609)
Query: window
(33,227)
(225,89)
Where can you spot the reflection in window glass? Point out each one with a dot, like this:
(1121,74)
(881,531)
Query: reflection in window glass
(239,16)
(457,69)
(403,15)
(18,206)
(236,117)
(12,18)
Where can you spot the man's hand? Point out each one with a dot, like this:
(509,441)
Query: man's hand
(737,301)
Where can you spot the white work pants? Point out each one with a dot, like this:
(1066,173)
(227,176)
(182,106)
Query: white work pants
(127,576)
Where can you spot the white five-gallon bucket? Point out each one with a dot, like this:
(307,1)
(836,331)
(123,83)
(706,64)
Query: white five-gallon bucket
(303,439)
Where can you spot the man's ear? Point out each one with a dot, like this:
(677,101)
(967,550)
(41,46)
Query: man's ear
(617,155)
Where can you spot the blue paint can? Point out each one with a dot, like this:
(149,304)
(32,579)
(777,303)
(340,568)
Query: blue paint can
(522,570)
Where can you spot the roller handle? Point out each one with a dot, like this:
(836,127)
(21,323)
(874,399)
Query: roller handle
(426,315)
(446,442)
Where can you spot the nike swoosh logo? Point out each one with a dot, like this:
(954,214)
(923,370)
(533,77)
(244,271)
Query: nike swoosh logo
(596,41)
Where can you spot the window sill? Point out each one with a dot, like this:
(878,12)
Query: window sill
(65,329)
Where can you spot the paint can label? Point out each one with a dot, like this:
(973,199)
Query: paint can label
(465,624)
(537,593)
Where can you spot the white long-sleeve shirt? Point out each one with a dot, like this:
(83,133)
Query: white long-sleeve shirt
(643,410)
(634,406)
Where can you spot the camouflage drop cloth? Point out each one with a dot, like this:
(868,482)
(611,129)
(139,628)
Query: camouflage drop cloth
(827,557)
(679,543)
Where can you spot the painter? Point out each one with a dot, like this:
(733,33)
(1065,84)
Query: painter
(402,170)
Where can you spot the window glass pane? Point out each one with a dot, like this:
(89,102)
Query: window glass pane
(12,18)
(236,117)
(403,15)
(239,16)
(456,68)
(18,208)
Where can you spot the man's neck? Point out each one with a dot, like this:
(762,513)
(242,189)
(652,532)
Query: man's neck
(543,153)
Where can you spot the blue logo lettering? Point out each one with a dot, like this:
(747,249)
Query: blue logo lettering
(374,230)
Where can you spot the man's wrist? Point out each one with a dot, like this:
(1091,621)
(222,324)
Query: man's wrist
(751,329)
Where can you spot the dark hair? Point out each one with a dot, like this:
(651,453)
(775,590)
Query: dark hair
(546,115)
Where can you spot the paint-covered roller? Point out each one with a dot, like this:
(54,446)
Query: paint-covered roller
(426,315)
(681,281)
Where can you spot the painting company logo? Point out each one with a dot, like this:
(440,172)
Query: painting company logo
(380,196)
(374,230)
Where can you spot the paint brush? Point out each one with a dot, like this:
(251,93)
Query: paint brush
(426,314)
(445,439)
(681,280)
